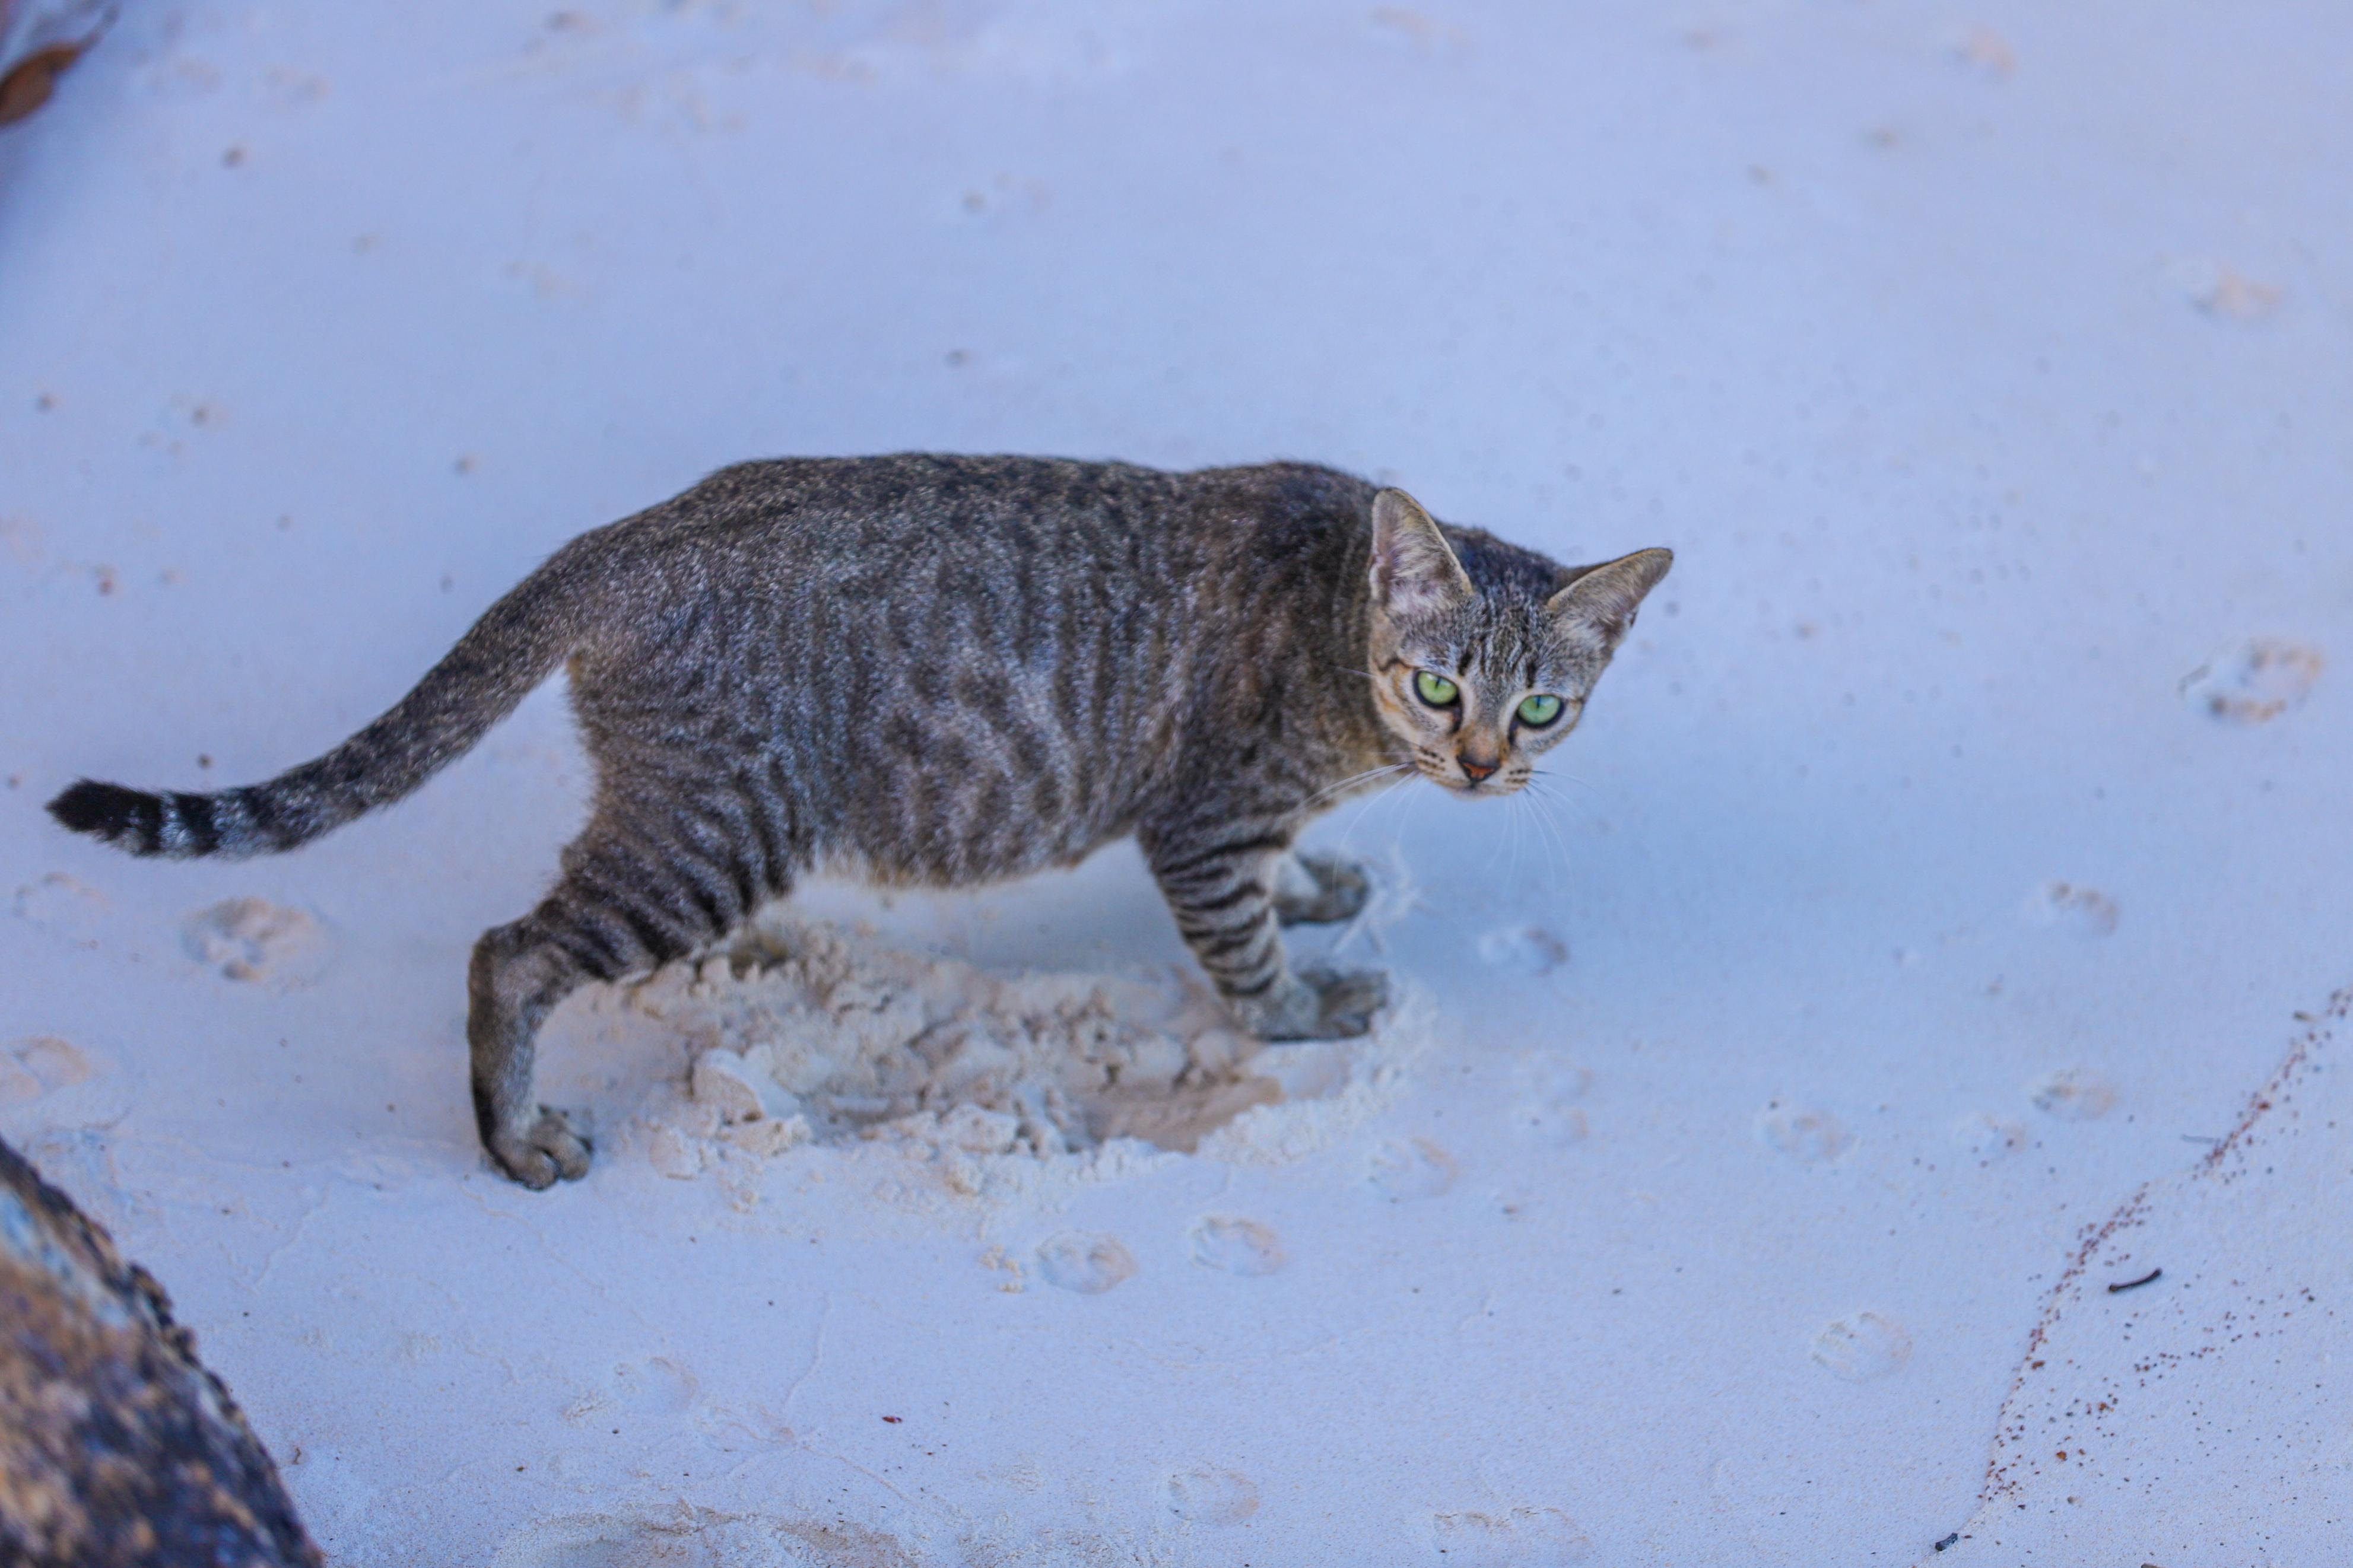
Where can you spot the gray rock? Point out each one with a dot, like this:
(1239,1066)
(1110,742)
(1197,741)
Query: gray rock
(117,1448)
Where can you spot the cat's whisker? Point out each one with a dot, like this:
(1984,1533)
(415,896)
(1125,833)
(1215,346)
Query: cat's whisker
(1355,779)
(1548,806)
(1517,816)
(1348,828)
(1550,773)
(1543,828)
(1374,800)
(1496,854)
(1516,823)
(1536,825)
(1371,805)
(1547,813)
(1408,811)
(1524,809)
(1549,832)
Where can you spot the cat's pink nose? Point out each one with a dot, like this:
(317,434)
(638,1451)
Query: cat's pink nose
(1476,771)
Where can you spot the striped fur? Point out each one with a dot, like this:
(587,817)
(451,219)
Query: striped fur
(945,670)
(512,649)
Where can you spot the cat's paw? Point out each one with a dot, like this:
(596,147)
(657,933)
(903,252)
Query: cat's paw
(1322,1005)
(1316,888)
(549,1151)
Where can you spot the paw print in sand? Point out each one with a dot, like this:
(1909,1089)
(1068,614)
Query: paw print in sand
(2073,1094)
(1209,1495)
(1866,1346)
(39,1065)
(257,943)
(2071,906)
(1522,950)
(1236,1246)
(1504,1537)
(1808,1136)
(1407,1168)
(1084,1262)
(2254,682)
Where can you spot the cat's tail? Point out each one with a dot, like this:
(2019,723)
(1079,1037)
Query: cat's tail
(516,645)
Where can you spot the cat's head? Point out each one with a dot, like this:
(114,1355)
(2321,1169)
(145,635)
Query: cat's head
(1481,671)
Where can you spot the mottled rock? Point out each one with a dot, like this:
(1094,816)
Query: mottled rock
(117,1448)
(38,39)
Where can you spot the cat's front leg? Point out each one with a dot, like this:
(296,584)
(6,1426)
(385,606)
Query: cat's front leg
(1321,1003)
(1319,888)
(1220,879)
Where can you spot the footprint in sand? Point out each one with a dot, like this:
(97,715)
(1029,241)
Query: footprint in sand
(1549,1094)
(2071,906)
(654,1387)
(1236,1246)
(1863,1347)
(1810,1137)
(1510,1537)
(64,906)
(1522,950)
(2073,1094)
(1988,1137)
(1207,1495)
(1085,1262)
(694,1536)
(38,1064)
(2223,293)
(257,943)
(1405,1168)
(2254,682)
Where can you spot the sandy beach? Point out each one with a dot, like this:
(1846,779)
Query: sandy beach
(1887,1101)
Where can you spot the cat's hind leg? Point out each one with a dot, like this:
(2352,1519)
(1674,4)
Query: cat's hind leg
(628,902)
(521,971)
(1317,888)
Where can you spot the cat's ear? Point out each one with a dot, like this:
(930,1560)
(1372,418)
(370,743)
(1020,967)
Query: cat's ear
(1602,602)
(1414,573)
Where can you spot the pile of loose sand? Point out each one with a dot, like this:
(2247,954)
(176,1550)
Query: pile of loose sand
(800,1033)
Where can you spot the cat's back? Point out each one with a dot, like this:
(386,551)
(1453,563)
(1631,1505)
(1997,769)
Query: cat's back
(826,513)
(970,666)
(848,517)
(951,559)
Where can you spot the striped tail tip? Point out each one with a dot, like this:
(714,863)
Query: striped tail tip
(127,818)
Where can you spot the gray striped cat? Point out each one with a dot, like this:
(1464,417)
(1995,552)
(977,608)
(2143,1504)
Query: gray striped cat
(942,670)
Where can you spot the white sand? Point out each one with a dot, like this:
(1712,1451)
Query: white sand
(798,1033)
(1945,864)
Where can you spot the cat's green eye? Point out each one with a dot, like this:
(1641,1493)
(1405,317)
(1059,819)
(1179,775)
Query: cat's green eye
(1539,710)
(1435,690)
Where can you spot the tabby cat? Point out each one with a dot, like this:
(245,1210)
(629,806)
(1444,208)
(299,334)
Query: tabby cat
(942,670)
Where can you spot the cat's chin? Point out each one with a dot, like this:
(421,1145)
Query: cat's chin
(1474,792)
